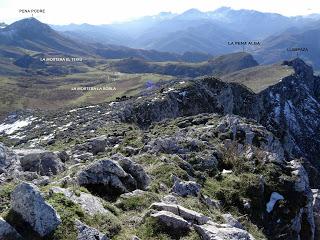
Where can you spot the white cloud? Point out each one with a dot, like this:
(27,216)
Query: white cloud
(106,11)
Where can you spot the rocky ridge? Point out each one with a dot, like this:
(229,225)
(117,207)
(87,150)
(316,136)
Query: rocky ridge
(193,159)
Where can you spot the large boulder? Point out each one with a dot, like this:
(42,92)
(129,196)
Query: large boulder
(186,188)
(41,161)
(171,221)
(90,204)
(27,201)
(106,177)
(7,232)
(213,231)
(88,233)
(134,169)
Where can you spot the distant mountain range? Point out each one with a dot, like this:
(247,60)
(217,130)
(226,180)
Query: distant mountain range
(209,32)
(24,42)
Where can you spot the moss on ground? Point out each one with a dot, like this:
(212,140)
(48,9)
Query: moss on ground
(70,211)
(138,202)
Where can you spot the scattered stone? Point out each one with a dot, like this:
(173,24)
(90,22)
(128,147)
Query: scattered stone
(170,199)
(27,201)
(212,231)
(88,233)
(230,220)
(212,202)
(186,188)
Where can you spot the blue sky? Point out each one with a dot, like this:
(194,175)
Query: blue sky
(107,11)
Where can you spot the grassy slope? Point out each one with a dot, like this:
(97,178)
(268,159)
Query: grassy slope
(260,77)
(52,92)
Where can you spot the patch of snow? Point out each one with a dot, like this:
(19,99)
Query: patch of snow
(273,199)
(182,82)
(169,90)
(224,171)
(13,127)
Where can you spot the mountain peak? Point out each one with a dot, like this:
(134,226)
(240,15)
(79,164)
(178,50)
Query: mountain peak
(192,12)
(27,24)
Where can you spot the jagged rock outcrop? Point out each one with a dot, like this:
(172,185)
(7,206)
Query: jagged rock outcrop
(134,169)
(106,177)
(113,177)
(27,201)
(291,109)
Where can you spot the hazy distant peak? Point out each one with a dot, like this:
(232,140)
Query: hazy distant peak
(28,23)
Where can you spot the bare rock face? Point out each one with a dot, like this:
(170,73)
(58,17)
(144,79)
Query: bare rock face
(27,201)
(7,232)
(303,223)
(88,233)
(43,162)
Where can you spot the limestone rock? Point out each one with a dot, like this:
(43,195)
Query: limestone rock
(186,188)
(212,231)
(27,201)
(183,212)
(40,161)
(88,233)
(171,221)
(134,169)
(94,145)
(108,176)
(230,220)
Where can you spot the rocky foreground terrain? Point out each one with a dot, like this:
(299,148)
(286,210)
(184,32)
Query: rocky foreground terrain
(192,159)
